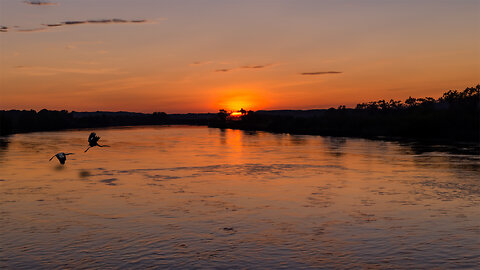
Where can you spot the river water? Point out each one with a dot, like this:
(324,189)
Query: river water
(197,197)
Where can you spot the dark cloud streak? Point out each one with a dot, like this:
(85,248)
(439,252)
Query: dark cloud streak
(39,3)
(73,22)
(70,23)
(254,67)
(320,73)
(242,67)
(100,21)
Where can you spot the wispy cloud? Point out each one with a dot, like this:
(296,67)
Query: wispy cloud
(244,67)
(255,67)
(199,63)
(321,73)
(38,29)
(223,70)
(74,22)
(40,3)
(98,21)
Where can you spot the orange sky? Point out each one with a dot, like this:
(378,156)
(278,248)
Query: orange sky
(200,56)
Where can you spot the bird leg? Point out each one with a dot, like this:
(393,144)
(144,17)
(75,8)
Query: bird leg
(87,149)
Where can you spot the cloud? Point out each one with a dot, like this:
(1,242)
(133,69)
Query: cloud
(255,67)
(199,63)
(97,21)
(244,67)
(69,23)
(321,73)
(40,3)
(73,22)
(103,21)
(39,29)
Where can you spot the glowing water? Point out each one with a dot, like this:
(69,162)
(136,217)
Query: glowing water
(197,197)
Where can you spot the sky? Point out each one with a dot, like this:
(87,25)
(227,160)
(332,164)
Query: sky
(180,56)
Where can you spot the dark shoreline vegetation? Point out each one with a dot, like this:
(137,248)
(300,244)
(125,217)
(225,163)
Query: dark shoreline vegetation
(454,117)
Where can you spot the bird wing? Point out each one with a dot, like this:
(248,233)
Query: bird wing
(51,158)
(92,137)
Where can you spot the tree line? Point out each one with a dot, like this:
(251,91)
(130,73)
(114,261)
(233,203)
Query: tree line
(453,116)
(18,121)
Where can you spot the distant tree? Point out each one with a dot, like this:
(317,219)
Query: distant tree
(411,102)
(394,104)
(222,115)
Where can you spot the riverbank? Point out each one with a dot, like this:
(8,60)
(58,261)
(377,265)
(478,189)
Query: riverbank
(23,121)
(454,117)
(442,126)
(437,126)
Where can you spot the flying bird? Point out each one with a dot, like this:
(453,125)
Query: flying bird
(61,157)
(93,141)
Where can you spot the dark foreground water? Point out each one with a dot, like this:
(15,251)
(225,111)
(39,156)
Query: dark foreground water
(194,197)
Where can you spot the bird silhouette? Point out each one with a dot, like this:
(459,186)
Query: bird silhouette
(93,141)
(61,157)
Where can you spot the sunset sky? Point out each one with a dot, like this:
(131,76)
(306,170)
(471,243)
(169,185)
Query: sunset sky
(183,56)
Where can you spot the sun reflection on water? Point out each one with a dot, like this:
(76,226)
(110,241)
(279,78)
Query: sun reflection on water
(183,196)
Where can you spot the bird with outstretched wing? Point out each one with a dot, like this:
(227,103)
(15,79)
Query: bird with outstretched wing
(62,157)
(93,141)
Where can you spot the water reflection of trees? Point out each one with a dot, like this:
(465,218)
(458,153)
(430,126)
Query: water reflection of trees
(298,139)
(335,145)
(250,132)
(223,136)
(4,142)
(461,159)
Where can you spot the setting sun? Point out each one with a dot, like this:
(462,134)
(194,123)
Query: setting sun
(236,97)
(235,105)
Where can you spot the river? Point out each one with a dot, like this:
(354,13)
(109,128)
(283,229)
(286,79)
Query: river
(198,197)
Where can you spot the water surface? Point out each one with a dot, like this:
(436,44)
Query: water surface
(197,197)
